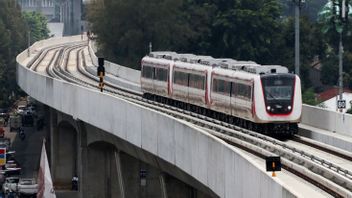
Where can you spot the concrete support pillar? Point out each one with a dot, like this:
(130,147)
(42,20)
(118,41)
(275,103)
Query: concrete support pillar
(65,154)
(163,185)
(53,133)
(83,159)
(119,174)
(101,172)
(141,179)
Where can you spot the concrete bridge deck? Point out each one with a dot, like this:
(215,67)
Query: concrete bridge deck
(83,118)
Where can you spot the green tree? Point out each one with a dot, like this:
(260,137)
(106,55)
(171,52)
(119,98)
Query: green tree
(38,25)
(308,97)
(246,29)
(332,26)
(240,29)
(12,41)
(125,28)
(349,111)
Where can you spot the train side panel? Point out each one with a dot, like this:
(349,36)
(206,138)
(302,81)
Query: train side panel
(189,85)
(241,103)
(220,94)
(155,76)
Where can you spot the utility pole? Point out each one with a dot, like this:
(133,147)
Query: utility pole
(298,4)
(340,68)
(344,11)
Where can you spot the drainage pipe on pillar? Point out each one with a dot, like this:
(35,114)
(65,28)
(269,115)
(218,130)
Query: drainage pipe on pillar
(119,174)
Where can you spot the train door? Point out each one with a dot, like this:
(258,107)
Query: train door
(196,87)
(242,95)
(180,85)
(147,79)
(221,100)
(161,81)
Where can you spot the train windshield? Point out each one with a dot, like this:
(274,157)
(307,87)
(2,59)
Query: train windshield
(278,87)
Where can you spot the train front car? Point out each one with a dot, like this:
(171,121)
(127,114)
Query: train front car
(278,103)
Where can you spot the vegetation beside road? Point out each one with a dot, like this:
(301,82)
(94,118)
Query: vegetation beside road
(258,30)
(14,27)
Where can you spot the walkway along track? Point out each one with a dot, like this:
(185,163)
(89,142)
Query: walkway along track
(328,176)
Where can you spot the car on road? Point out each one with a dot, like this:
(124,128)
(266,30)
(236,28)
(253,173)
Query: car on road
(30,109)
(15,122)
(4,114)
(3,122)
(10,184)
(5,143)
(2,132)
(27,120)
(27,186)
(11,172)
(21,109)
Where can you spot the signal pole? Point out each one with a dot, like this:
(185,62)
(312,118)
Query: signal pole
(101,73)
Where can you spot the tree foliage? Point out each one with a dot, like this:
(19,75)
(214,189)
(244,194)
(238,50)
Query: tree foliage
(125,28)
(258,30)
(13,40)
(309,98)
(244,29)
(37,24)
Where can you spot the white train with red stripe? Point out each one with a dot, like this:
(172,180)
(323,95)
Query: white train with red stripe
(266,99)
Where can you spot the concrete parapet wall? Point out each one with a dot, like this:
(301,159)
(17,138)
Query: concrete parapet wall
(207,159)
(118,70)
(326,119)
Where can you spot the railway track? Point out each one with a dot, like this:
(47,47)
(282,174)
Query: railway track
(326,174)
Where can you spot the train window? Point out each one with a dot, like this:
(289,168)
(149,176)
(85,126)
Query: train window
(278,87)
(161,74)
(242,90)
(197,81)
(181,78)
(221,86)
(147,72)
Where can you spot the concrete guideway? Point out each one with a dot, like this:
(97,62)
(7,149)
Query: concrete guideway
(206,161)
(313,118)
(299,169)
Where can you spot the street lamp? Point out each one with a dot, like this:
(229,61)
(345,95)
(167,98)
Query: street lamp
(298,4)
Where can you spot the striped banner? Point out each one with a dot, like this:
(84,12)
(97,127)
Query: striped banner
(2,156)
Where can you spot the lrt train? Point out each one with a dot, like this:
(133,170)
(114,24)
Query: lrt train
(263,98)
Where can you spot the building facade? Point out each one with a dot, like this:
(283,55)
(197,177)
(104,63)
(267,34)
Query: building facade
(70,15)
(67,12)
(47,7)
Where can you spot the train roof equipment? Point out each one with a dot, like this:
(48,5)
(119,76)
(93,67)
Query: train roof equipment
(186,57)
(163,54)
(224,63)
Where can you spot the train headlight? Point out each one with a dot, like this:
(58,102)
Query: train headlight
(268,108)
(289,108)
